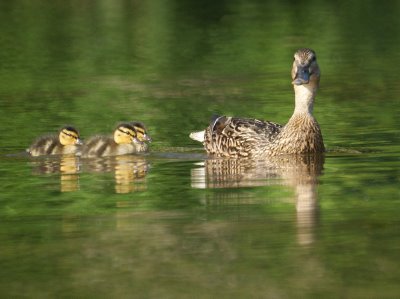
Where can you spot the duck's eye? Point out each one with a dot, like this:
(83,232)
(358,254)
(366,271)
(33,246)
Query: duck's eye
(314,58)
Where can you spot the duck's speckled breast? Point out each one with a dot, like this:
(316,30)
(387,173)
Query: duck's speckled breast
(300,135)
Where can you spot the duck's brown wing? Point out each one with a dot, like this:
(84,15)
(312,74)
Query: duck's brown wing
(238,137)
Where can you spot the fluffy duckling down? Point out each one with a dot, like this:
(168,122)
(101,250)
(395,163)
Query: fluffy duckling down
(125,140)
(66,142)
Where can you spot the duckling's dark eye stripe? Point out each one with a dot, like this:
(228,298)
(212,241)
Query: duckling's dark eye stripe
(70,135)
(129,133)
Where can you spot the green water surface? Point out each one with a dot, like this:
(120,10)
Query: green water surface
(173,224)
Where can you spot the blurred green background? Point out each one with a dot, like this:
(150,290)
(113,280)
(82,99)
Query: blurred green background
(162,226)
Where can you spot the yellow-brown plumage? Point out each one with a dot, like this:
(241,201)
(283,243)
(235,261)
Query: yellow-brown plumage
(66,142)
(124,141)
(243,137)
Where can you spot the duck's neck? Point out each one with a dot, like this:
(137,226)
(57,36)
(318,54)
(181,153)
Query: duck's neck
(304,98)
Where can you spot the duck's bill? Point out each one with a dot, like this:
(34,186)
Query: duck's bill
(302,76)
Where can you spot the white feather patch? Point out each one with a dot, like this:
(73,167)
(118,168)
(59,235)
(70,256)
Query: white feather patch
(198,136)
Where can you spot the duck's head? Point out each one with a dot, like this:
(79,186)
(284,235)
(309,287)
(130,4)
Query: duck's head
(69,136)
(305,68)
(125,133)
(141,131)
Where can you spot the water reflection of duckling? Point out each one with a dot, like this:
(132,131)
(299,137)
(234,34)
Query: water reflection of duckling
(66,142)
(69,173)
(67,166)
(142,136)
(124,141)
(130,173)
(244,137)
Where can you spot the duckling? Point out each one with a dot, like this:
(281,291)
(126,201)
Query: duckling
(124,141)
(142,136)
(244,137)
(66,142)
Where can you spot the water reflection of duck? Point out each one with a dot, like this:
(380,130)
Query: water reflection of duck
(299,172)
(126,140)
(242,137)
(290,170)
(66,142)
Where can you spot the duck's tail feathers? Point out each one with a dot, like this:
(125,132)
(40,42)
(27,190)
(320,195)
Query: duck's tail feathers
(198,136)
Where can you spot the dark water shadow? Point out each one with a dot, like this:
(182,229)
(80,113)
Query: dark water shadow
(349,150)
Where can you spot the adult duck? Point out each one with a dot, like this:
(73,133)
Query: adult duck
(244,137)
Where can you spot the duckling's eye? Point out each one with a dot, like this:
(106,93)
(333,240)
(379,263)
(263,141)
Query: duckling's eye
(314,58)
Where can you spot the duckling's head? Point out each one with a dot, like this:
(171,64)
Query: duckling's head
(125,133)
(305,68)
(141,131)
(69,136)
